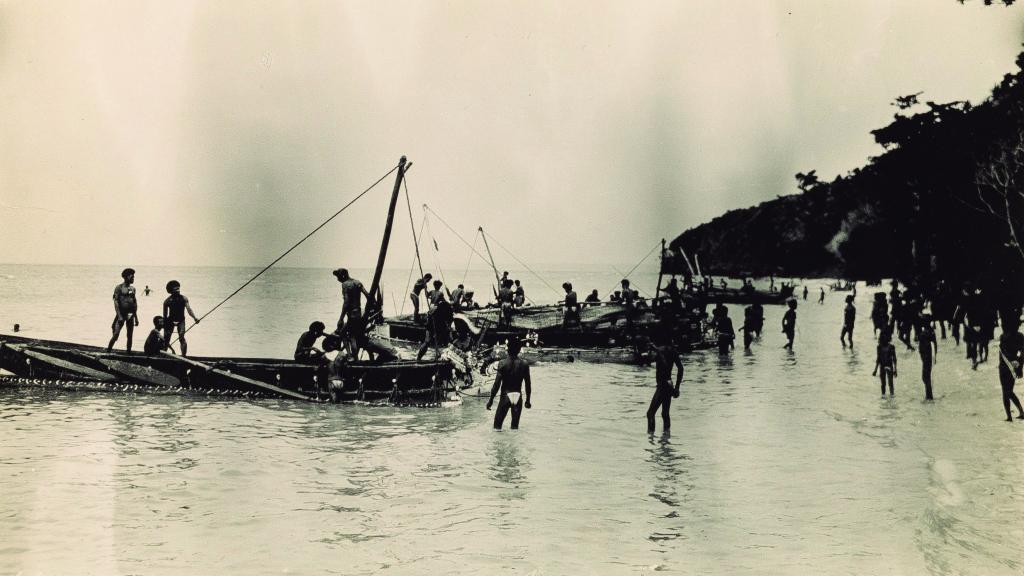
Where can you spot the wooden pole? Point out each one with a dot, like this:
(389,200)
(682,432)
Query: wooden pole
(661,271)
(375,285)
(497,277)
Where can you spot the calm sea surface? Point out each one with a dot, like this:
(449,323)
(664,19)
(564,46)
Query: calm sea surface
(778,462)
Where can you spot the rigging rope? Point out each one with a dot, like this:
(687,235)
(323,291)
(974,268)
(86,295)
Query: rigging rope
(408,281)
(633,269)
(470,259)
(437,261)
(521,263)
(457,235)
(415,242)
(288,251)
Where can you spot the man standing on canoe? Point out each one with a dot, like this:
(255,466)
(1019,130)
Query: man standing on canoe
(175,307)
(511,374)
(351,318)
(126,309)
(418,287)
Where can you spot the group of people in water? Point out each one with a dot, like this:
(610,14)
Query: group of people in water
(126,316)
(904,315)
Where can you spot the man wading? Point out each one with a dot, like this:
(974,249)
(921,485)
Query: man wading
(665,358)
(512,373)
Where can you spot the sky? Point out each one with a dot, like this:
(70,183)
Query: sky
(219,133)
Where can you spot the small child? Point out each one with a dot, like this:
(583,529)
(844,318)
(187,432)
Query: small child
(175,307)
(789,324)
(156,343)
(886,360)
(849,317)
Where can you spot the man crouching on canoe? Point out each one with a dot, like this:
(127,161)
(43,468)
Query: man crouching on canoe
(512,372)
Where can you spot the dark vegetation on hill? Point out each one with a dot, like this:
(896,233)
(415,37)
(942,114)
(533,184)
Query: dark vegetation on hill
(943,201)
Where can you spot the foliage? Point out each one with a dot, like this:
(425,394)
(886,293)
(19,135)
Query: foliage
(943,201)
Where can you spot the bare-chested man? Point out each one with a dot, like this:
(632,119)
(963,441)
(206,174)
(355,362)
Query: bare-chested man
(512,373)
(665,358)
(126,309)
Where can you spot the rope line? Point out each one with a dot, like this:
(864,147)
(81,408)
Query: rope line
(521,263)
(457,235)
(408,281)
(642,260)
(415,241)
(437,258)
(288,251)
(470,259)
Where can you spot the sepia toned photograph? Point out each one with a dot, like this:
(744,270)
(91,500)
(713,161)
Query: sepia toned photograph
(538,288)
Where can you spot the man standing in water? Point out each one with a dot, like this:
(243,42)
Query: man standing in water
(789,323)
(1011,355)
(928,348)
(849,316)
(125,309)
(821,296)
(511,374)
(665,358)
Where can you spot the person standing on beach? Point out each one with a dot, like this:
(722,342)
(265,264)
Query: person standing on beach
(805,293)
(821,296)
(175,307)
(789,323)
(666,357)
(928,348)
(512,373)
(126,309)
(849,316)
(1011,356)
(885,360)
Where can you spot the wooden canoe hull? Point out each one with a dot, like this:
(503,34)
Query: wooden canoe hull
(401,382)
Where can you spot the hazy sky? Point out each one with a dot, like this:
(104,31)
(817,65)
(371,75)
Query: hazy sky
(221,132)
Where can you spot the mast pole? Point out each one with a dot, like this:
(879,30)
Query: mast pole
(497,278)
(661,271)
(375,285)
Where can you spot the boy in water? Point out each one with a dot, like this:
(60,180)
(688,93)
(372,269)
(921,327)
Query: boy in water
(849,315)
(126,309)
(666,357)
(175,307)
(928,348)
(886,361)
(1011,354)
(511,374)
(156,343)
(305,349)
(789,324)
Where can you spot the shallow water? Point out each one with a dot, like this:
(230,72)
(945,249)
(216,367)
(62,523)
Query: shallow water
(778,462)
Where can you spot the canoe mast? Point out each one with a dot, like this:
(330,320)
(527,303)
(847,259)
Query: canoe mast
(375,285)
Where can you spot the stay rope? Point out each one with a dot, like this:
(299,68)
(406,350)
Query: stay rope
(286,252)
(642,260)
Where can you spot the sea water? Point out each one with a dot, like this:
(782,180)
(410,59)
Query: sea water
(778,462)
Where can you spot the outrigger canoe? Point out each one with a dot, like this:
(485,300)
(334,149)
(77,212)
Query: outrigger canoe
(62,364)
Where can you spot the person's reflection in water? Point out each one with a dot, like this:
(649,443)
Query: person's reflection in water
(509,472)
(670,487)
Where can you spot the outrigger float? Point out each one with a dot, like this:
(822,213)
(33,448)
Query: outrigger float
(65,365)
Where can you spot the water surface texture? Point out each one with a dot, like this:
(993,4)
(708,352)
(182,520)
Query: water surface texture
(778,462)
